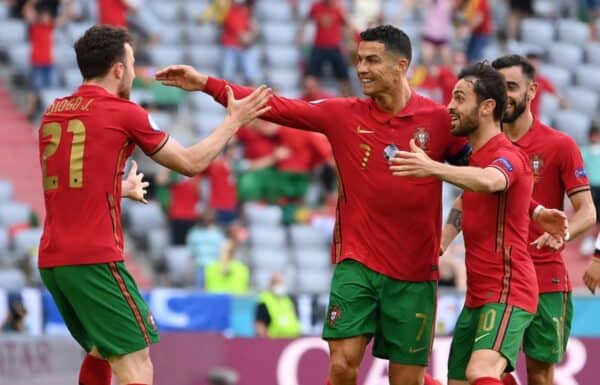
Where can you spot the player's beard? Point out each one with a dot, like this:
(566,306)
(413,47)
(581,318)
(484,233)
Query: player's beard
(466,124)
(124,90)
(518,109)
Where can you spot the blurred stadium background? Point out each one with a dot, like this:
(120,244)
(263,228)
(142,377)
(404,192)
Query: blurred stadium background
(204,248)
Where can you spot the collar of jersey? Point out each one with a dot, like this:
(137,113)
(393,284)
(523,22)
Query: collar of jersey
(528,137)
(383,117)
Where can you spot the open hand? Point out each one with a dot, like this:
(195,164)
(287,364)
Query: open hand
(134,187)
(553,221)
(245,110)
(414,163)
(183,76)
(547,240)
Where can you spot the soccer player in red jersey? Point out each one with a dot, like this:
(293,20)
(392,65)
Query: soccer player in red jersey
(557,170)
(386,241)
(502,295)
(85,139)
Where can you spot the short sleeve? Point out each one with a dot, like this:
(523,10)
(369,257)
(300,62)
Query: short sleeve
(144,131)
(572,171)
(510,165)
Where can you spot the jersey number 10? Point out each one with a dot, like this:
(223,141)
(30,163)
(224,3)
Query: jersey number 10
(54,130)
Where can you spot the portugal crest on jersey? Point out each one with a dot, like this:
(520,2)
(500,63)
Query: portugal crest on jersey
(421,137)
(537,163)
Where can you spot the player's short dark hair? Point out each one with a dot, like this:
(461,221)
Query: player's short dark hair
(393,38)
(488,84)
(99,48)
(513,61)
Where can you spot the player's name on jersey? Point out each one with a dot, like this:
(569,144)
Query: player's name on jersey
(70,104)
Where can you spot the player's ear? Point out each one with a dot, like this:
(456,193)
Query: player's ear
(487,107)
(532,90)
(118,70)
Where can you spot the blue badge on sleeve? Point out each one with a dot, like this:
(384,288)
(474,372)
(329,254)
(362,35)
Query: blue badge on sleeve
(505,163)
(580,172)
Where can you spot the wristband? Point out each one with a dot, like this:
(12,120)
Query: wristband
(568,236)
(537,211)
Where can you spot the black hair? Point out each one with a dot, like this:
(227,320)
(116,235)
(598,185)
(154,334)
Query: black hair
(99,48)
(393,38)
(513,61)
(488,84)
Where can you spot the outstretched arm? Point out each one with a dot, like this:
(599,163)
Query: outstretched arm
(296,113)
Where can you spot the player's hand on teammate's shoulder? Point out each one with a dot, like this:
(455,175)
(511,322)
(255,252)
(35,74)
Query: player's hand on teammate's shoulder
(243,111)
(183,76)
(134,187)
(412,163)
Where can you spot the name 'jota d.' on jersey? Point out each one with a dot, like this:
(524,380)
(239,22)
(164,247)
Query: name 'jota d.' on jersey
(557,169)
(84,141)
(390,224)
(495,227)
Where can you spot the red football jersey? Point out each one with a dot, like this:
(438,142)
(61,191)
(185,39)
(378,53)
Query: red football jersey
(499,268)
(390,224)
(557,169)
(113,12)
(84,141)
(329,20)
(40,35)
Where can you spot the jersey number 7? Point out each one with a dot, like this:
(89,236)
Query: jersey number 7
(54,130)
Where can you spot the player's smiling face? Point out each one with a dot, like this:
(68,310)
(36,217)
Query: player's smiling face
(520,91)
(464,109)
(379,71)
(126,82)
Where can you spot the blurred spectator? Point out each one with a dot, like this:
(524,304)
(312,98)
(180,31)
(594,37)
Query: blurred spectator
(366,14)
(591,158)
(38,14)
(228,275)
(114,12)
(205,241)
(15,319)
(330,19)
(436,31)
(181,202)
(544,86)
(215,12)
(519,9)
(435,80)
(476,19)
(239,34)
(223,186)
(589,11)
(311,89)
(259,177)
(276,316)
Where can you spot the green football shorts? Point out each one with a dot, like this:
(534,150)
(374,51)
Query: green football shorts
(400,315)
(546,338)
(102,307)
(494,326)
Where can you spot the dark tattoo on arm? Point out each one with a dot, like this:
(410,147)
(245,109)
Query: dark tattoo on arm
(455,218)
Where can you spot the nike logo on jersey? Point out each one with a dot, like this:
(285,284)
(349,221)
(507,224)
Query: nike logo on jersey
(413,350)
(481,336)
(361,131)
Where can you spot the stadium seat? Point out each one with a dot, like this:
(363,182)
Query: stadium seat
(18,56)
(549,104)
(179,262)
(278,56)
(169,33)
(206,122)
(158,240)
(391,9)
(72,79)
(559,76)
(4,244)
(205,103)
(314,259)
(588,76)
(523,48)
(265,237)
(573,31)
(192,9)
(279,33)
(566,55)
(274,10)
(539,32)
(203,34)
(261,277)
(573,123)
(307,237)
(27,239)
(492,51)
(142,218)
(166,54)
(583,100)
(64,56)
(166,11)
(48,96)
(204,56)
(592,53)
(258,214)
(75,30)
(13,32)
(269,259)
(13,213)
(4,10)
(283,79)
(313,281)
(12,279)
(6,190)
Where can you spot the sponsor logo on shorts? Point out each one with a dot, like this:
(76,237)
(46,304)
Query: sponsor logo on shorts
(152,322)
(481,336)
(417,350)
(334,314)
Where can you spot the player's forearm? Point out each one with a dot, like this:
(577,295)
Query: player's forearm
(582,220)
(453,225)
(200,155)
(471,178)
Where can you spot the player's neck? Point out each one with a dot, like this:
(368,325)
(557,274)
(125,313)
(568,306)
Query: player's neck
(395,101)
(107,85)
(483,134)
(517,129)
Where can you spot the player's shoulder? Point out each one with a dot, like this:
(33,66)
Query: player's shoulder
(554,139)
(427,105)
(337,102)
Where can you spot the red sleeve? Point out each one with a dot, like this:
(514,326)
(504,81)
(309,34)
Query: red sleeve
(509,165)
(318,115)
(572,172)
(143,131)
